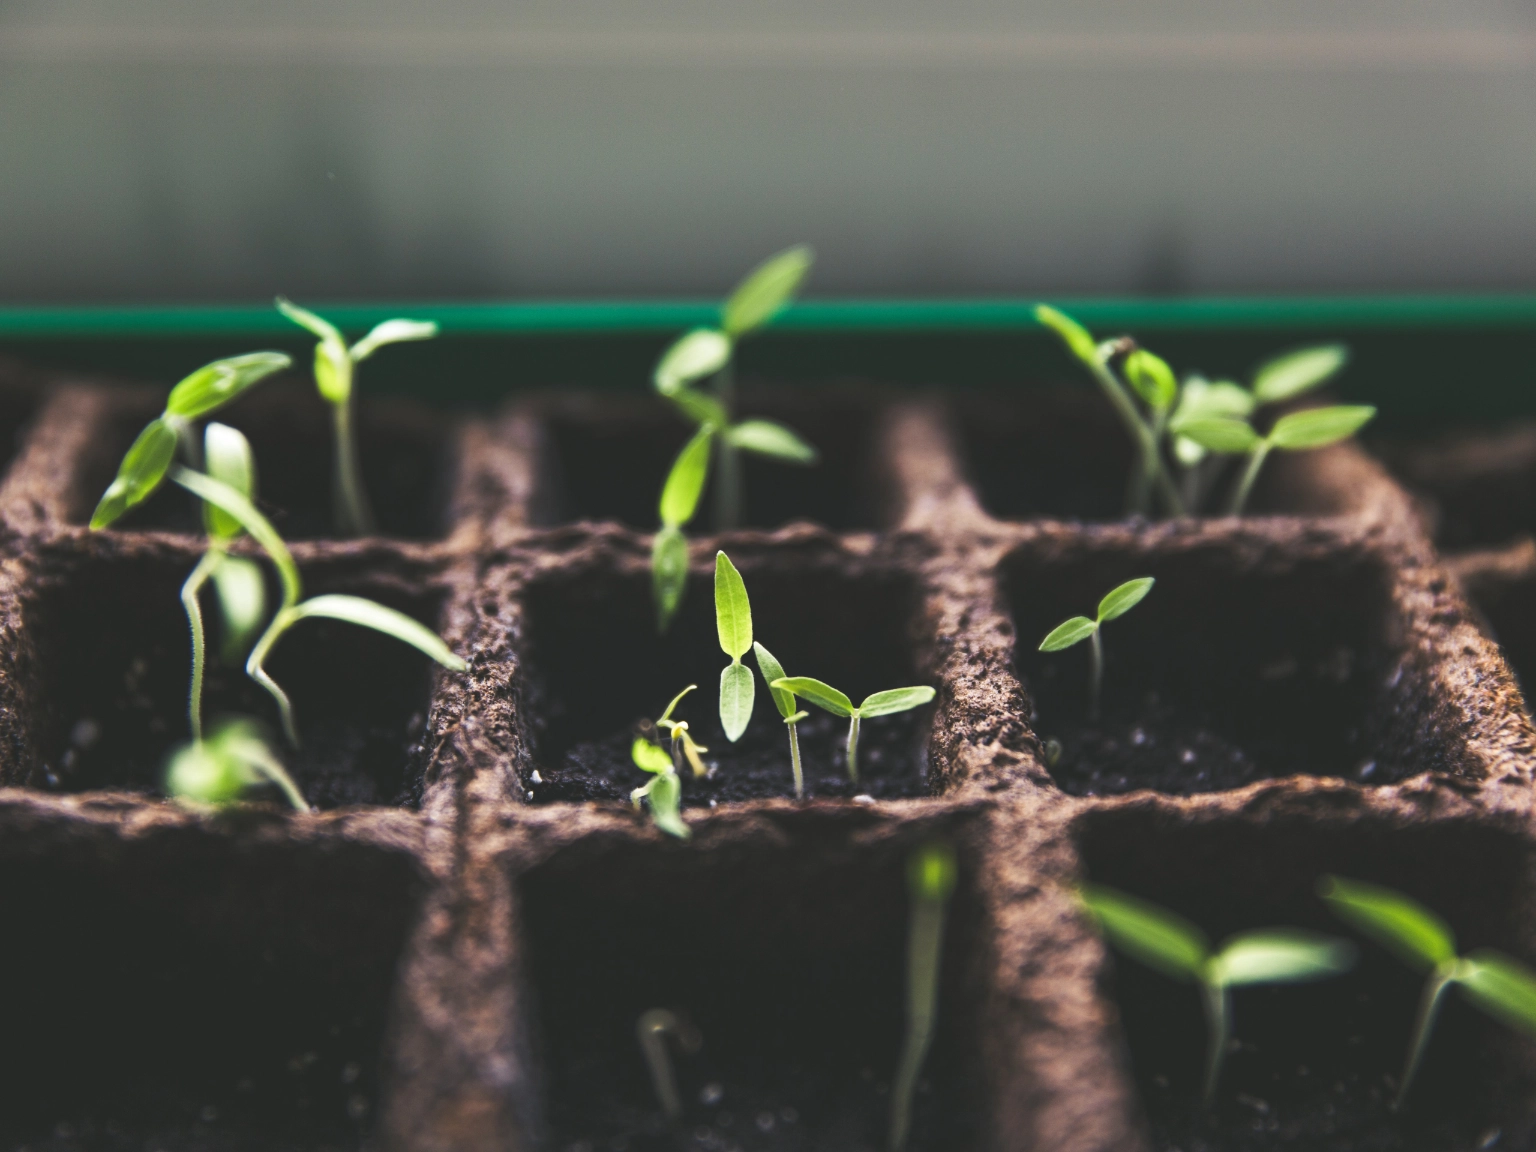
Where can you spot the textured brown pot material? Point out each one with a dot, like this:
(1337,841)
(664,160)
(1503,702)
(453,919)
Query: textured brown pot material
(453,951)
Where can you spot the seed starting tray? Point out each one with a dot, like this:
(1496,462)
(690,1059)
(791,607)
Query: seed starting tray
(453,951)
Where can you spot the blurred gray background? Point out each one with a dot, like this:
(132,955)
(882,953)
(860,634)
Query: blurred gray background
(168,150)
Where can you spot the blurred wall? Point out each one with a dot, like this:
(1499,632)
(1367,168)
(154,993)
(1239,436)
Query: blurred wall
(176,150)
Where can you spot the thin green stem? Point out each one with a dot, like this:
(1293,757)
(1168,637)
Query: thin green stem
(189,593)
(1250,474)
(1096,673)
(354,517)
(794,760)
(925,940)
(255,670)
(1149,459)
(853,748)
(1218,1013)
(728,485)
(1429,1006)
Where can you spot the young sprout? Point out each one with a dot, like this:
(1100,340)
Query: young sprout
(664,792)
(784,701)
(679,502)
(885,703)
(220,769)
(733,622)
(683,744)
(335,367)
(1117,602)
(1500,986)
(930,880)
(1176,948)
(651,1030)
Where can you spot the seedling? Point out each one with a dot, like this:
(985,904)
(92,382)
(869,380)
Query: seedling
(1176,948)
(683,745)
(1500,986)
(733,622)
(784,701)
(930,880)
(335,366)
(664,791)
(1117,602)
(219,770)
(651,1030)
(885,703)
(679,502)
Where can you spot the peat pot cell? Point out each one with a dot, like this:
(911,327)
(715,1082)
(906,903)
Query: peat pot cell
(595,669)
(790,963)
(1479,489)
(174,992)
(606,458)
(404,451)
(1315,1066)
(18,404)
(1225,674)
(114,656)
(1509,606)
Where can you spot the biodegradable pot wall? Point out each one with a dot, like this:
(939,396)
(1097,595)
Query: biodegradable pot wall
(453,952)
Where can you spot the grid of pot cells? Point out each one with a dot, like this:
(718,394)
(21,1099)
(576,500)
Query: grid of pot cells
(453,950)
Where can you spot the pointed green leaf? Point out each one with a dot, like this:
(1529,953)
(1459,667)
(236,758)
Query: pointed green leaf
(733,611)
(772,670)
(242,597)
(1502,987)
(697,354)
(139,474)
(766,289)
(895,700)
(822,695)
(700,407)
(1280,956)
(665,795)
(685,483)
(1220,434)
(392,332)
(769,439)
(737,690)
(1153,380)
(1288,376)
(1119,601)
(650,757)
(1077,338)
(1418,937)
(368,614)
(669,573)
(314,324)
(667,715)
(1319,427)
(1068,633)
(216,492)
(227,457)
(214,385)
(1155,936)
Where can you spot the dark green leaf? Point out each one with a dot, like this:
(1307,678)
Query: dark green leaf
(650,757)
(1153,380)
(680,494)
(139,474)
(669,573)
(1119,601)
(1068,633)
(1288,376)
(737,690)
(895,700)
(697,354)
(1077,338)
(1153,935)
(1419,937)
(766,289)
(1219,434)
(733,611)
(772,670)
(1280,956)
(368,614)
(214,385)
(822,695)
(1319,427)
(1501,986)
(769,439)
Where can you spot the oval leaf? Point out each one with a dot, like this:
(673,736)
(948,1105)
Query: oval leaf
(1403,925)
(1502,987)
(822,695)
(650,757)
(333,372)
(227,458)
(1153,935)
(772,670)
(697,354)
(733,611)
(685,483)
(895,700)
(203,774)
(1077,338)
(214,385)
(1220,434)
(1319,427)
(767,288)
(1068,633)
(139,474)
(1121,600)
(242,597)
(392,332)
(216,492)
(769,439)
(737,689)
(1288,376)
(664,796)
(1202,399)
(368,614)
(1280,956)
(669,573)
(1153,380)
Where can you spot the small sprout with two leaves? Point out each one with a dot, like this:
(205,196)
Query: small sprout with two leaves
(1117,602)
(683,744)
(1176,948)
(1502,987)
(652,1029)
(234,758)
(828,698)
(930,881)
(664,792)
(733,622)
(788,707)
(335,366)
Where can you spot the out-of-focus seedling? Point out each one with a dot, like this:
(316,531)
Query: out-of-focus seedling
(679,502)
(1117,602)
(651,1030)
(784,701)
(875,704)
(1503,988)
(683,744)
(733,622)
(220,769)
(930,881)
(664,792)
(1176,948)
(335,366)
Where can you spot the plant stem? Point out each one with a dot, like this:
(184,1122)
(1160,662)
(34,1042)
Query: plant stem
(189,593)
(1149,460)
(853,748)
(255,670)
(1250,474)
(1096,674)
(1218,1012)
(651,1030)
(794,761)
(353,515)
(1434,989)
(925,940)
(728,478)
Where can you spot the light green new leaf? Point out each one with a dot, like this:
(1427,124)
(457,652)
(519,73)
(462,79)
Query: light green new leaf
(669,573)
(1153,380)
(314,324)
(664,796)
(696,354)
(685,483)
(737,691)
(139,474)
(1119,601)
(894,700)
(931,872)
(675,701)
(216,492)
(1068,633)
(703,409)
(766,289)
(1319,427)
(1501,986)
(772,670)
(1419,937)
(367,614)
(199,773)
(1202,400)
(242,597)
(769,439)
(822,695)
(214,385)
(1280,956)
(1077,338)
(1153,935)
(392,332)
(650,757)
(733,611)
(1291,375)
(333,372)
(1219,434)
(227,457)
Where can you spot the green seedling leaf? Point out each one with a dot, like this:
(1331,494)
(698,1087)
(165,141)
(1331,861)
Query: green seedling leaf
(1220,434)
(737,691)
(894,700)
(665,795)
(1280,956)
(1077,338)
(1153,935)
(766,289)
(676,700)
(685,483)
(733,611)
(769,439)
(227,458)
(216,492)
(333,373)
(1319,427)
(1404,926)
(314,324)
(650,757)
(1068,633)
(1203,400)
(1501,987)
(697,354)
(242,595)
(1119,601)
(822,695)
(140,473)
(1153,380)
(214,385)
(931,872)
(772,670)
(669,573)
(392,332)
(703,409)
(1288,376)
(220,769)
(367,614)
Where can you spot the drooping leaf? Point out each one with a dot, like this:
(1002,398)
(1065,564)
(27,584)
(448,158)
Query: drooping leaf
(694,355)
(650,757)
(242,597)
(1395,921)
(895,700)
(1280,956)
(769,439)
(1153,380)
(1220,434)
(315,324)
(1119,601)
(665,795)
(772,670)
(140,473)
(245,742)
(669,573)
(733,611)
(676,700)
(227,457)
(214,385)
(368,614)
(216,492)
(931,872)
(1501,986)
(392,332)
(1154,935)
(700,407)
(822,695)
(1319,427)
(1077,338)
(1068,633)
(766,289)
(685,483)
(1288,376)
(737,691)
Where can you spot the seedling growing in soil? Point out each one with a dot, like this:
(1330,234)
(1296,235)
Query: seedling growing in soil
(1117,602)
(679,502)
(683,745)
(885,703)
(652,1029)
(1500,986)
(220,769)
(785,702)
(733,622)
(1176,948)
(665,790)
(335,366)
(931,880)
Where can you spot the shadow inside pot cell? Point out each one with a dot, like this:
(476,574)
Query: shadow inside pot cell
(790,961)
(1314,1066)
(175,992)
(111,666)
(595,667)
